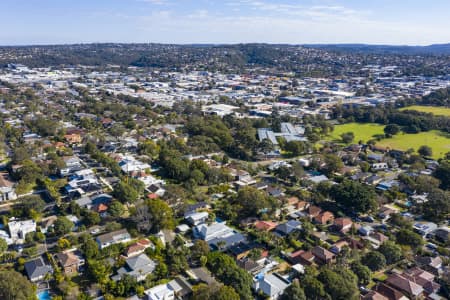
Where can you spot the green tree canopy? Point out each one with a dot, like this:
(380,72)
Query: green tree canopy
(374,260)
(409,237)
(250,201)
(14,286)
(293,292)
(352,194)
(391,251)
(362,272)
(340,283)
(62,225)
(125,192)
(226,270)
(392,129)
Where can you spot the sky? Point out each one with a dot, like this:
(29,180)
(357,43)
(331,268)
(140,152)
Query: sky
(395,22)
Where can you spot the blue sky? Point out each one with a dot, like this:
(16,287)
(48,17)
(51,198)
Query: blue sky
(413,22)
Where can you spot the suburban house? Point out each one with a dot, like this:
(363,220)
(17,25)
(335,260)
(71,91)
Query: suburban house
(322,255)
(218,235)
(36,269)
(73,138)
(430,264)
(138,247)
(324,218)
(424,228)
(176,289)
(342,225)
(287,227)
(72,164)
(271,285)
(71,261)
(138,266)
(160,292)
(305,258)
(197,218)
(389,292)
(265,225)
(7,191)
(111,238)
(19,229)
(405,285)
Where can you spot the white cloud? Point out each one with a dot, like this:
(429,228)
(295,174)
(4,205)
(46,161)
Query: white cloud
(318,24)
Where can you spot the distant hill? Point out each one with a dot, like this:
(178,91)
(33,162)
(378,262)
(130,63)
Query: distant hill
(437,49)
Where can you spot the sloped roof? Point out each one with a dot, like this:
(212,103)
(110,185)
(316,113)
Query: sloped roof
(403,284)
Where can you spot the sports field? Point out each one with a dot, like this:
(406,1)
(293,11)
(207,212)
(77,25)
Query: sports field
(438,111)
(362,132)
(438,141)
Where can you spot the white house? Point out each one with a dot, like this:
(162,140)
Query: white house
(7,191)
(271,285)
(19,229)
(160,292)
(111,238)
(197,218)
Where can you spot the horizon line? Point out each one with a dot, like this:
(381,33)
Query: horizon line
(222,44)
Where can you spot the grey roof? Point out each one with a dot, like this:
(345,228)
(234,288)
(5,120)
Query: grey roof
(139,261)
(288,227)
(228,241)
(109,237)
(136,266)
(36,268)
(180,286)
(84,201)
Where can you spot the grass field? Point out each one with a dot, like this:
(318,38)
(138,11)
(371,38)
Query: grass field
(362,132)
(438,111)
(438,141)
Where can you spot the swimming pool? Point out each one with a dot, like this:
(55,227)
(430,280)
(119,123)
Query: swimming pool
(44,295)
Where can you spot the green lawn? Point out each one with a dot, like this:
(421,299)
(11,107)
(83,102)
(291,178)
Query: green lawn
(438,141)
(364,132)
(438,111)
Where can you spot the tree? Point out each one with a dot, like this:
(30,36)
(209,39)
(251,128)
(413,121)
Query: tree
(362,272)
(3,245)
(352,194)
(348,137)
(226,270)
(265,146)
(90,248)
(293,292)
(391,251)
(250,201)
(333,163)
(425,151)
(99,270)
(32,202)
(437,208)
(340,283)
(116,209)
(409,238)
(199,249)
(125,192)
(63,244)
(391,129)
(214,291)
(14,286)
(443,174)
(314,289)
(374,260)
(153,215)
(283,172)
(62,226)
(296,148)
(92,218)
